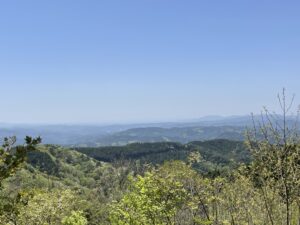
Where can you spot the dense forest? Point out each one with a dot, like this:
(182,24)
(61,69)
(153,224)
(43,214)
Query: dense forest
(218,182)
(216,154)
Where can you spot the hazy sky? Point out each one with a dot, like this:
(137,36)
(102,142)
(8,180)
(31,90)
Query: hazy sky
(145,60)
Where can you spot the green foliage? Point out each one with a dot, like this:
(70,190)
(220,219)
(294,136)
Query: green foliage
(12,157)
(38,207)
(76,218)
(275,147)
(153,199)
(42,207)
(175,194)
(52,169)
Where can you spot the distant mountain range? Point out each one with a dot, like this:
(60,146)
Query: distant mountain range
(206,128)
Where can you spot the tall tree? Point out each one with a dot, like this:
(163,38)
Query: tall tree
(12,157)
(275,147)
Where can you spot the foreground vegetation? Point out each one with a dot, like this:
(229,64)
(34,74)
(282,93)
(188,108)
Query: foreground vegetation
(61,186)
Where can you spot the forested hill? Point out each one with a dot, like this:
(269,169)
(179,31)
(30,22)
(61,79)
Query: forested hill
(174,134)
(219,151)
(88,182)
(54,182)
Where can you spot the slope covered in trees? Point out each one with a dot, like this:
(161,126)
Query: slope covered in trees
(87,186)
(54,175)
(216,152)
(62,186)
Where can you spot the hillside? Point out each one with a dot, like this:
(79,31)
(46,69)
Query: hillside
(100,175)
(56,166)
(53,170)
(217,152)
(89,168)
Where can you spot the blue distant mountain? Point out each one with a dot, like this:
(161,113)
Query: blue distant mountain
(205,128)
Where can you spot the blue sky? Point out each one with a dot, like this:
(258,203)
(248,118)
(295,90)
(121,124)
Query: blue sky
(71,61)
